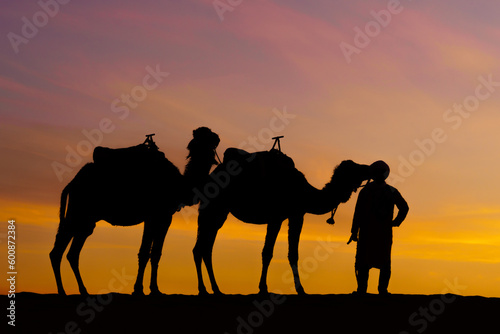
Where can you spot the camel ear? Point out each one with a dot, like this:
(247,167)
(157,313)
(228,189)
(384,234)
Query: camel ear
(197,132)
(202,132)
(207,136)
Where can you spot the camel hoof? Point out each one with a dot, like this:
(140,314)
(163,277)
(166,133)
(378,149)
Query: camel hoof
(218,293)
(203,293)
(156,293)
(263,292)
(301,292)
(138,293)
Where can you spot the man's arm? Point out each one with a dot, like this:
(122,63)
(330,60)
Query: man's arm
(403,208)
(356,220)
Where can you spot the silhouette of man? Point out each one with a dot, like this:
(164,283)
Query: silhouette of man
(373,219)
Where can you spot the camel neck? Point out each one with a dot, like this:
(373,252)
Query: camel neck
(319,201)
(197,170)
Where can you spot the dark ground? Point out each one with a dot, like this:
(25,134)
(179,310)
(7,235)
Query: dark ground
(248,314)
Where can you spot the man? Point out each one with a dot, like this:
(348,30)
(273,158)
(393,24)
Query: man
(373,219)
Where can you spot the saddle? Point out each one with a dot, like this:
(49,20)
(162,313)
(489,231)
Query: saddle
(269,162)
(141,154)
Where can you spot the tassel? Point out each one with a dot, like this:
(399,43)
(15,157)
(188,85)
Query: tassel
(330,220)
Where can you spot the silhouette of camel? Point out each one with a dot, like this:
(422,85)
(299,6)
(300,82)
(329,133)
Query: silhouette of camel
(126,187)
(266,188)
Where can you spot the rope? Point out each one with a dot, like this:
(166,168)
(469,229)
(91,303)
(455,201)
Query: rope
(215,151)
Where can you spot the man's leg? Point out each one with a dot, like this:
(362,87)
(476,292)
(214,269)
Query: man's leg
(362,278)
(383,281)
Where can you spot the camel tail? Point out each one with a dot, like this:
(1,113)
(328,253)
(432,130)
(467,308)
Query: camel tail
(62,209)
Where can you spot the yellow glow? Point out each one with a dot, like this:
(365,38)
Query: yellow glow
(417,253)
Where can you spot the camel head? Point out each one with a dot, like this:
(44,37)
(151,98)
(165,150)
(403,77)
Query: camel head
(202,146)
(347,178)
(201,158)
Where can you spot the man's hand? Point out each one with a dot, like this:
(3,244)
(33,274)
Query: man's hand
(354,237)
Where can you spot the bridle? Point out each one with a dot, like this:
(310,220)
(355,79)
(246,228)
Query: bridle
(219,161)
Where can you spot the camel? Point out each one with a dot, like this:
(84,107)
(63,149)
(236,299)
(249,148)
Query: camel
(266,188)
(126,187)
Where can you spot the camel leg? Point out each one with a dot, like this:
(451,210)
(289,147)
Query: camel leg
(203,252)
(74,256)
(207,258)
(208,226)
(197,255)
(294,229)
(159,239)
(63,238)
(144,254)
(267,253)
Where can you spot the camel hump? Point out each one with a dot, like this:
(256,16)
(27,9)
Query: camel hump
(236,154)
(268,161)
(125,156)
(277,159)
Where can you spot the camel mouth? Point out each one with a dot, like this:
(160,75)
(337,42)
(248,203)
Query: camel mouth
(358,184)
(361,174)
(348,176)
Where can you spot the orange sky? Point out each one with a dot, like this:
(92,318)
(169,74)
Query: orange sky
(423,94)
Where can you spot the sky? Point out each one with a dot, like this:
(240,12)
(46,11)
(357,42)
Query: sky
(413,83)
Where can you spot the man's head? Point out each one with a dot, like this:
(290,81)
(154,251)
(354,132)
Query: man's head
(379,170)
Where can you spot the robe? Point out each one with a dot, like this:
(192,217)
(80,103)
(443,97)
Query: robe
(373,219)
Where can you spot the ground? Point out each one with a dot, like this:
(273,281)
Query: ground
(249,314)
